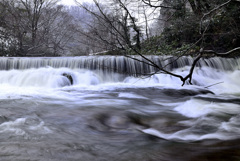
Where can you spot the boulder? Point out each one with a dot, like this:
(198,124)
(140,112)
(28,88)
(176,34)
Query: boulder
(69,77)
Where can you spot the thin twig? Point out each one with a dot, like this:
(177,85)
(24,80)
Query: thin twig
(213,84)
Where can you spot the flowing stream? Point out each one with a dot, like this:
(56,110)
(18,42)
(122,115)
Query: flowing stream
(103,108)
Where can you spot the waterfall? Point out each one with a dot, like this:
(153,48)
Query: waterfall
(118,64)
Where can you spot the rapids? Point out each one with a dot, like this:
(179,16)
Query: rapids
(112,111)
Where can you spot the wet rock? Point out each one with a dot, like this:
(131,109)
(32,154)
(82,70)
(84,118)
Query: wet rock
(185,92)
(115,121)
(220,100)
(69,77)
(3,119)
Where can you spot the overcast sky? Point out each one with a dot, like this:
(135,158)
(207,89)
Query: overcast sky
(71,2)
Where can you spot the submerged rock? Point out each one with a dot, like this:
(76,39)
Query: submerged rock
(69,77)
(185,92)
(3,119)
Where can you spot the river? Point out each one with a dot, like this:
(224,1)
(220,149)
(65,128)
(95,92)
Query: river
(111,112)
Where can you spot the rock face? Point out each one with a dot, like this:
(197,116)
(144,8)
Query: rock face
(69,77)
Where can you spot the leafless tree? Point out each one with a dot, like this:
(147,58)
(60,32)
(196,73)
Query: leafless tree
(127,22)
(36,28)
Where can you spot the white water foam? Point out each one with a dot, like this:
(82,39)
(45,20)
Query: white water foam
(46,77)
(22,126)
(131,95)
(12,127)
(217,81)
(214,129)
(196,108)
(185,135)
(232,125)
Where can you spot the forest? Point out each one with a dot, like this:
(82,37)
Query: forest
(119,27)
(121,80)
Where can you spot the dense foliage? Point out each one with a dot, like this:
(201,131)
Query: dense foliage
(217,28)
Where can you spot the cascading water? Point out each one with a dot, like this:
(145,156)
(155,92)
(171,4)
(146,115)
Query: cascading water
(95,108)
(118,64)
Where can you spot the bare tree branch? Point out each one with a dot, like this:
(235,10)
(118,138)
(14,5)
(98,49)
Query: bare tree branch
(226,54)
(149,3)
